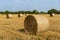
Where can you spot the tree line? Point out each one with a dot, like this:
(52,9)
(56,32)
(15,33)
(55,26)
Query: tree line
(32,12)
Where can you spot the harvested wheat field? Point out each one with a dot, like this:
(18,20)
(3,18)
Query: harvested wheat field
(13,28)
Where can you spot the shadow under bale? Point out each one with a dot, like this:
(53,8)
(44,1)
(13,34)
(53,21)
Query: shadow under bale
(34,24)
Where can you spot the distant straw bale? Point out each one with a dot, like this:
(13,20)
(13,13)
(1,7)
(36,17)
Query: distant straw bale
(21,15)
(18,15)
(8,15)
(52,14)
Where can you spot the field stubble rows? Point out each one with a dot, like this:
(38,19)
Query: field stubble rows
(9,28)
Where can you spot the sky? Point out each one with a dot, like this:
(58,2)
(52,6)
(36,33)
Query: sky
(29,5)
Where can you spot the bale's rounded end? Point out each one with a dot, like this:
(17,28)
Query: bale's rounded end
(52,14)
(35,23)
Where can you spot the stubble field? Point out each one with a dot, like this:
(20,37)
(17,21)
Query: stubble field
(10,29)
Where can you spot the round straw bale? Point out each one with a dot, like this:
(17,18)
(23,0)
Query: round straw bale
(52,14)
(8,15)
(21,15)
(18,15)
(34,24)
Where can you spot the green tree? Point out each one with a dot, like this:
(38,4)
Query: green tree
(58,12)
(41,12)
(6,12)
(35,12)
(52,11)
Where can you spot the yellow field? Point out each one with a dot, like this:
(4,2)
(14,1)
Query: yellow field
(9,29)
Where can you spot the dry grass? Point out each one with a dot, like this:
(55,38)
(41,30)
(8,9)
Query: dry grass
(9,29)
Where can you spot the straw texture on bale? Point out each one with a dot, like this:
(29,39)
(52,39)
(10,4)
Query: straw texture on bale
(34,24)
(21,15)
(10,15)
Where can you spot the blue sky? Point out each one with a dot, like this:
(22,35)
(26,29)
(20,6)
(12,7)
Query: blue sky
(40,5)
